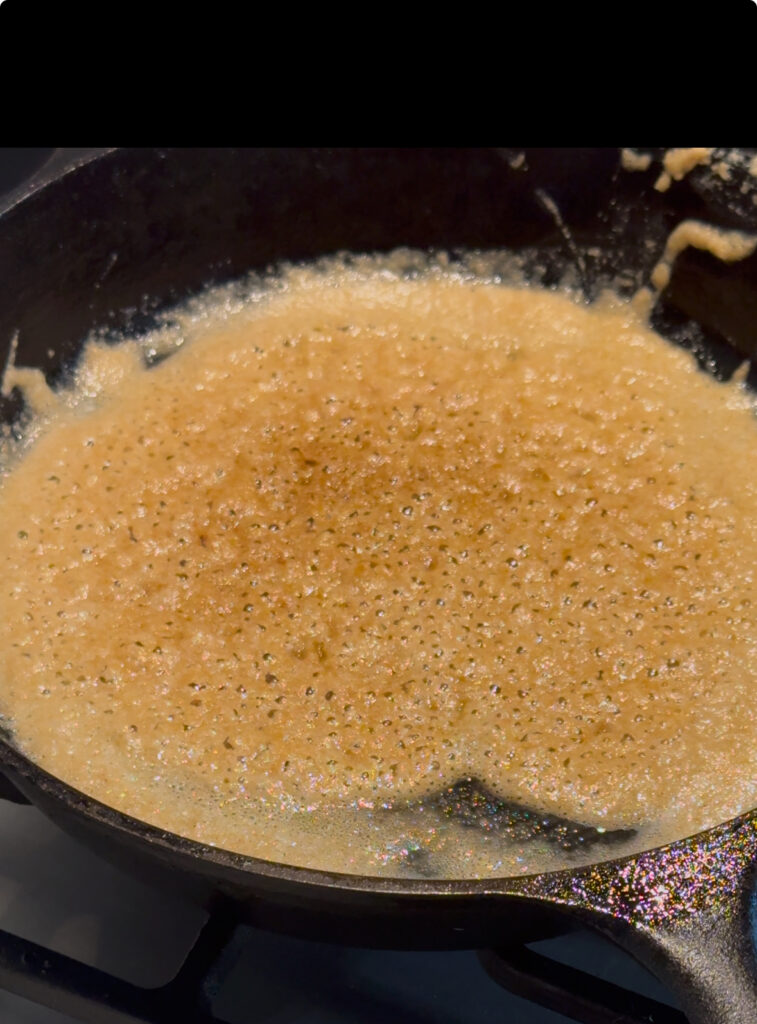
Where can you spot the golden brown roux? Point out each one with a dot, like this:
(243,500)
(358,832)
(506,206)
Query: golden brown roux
(371,536)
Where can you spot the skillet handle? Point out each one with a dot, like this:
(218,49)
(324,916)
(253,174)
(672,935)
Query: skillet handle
(684,911)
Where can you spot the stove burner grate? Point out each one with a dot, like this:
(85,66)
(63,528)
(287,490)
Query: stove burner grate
(93,996)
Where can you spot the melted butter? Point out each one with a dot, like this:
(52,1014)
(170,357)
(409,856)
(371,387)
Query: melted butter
(678,163)
(39,398)
(363,537)
(729,246)
(631,160)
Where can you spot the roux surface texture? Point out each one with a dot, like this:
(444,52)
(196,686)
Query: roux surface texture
(365,537)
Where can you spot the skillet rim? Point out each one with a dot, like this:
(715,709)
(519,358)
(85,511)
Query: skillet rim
(152,836)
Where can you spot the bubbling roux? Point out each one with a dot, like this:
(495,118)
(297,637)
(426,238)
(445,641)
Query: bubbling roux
(365,536)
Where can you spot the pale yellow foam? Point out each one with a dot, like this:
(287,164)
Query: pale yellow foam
(728,246)
(680,162)
(368,536)
(631,160)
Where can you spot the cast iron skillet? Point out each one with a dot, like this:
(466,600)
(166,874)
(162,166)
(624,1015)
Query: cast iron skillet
(106,238)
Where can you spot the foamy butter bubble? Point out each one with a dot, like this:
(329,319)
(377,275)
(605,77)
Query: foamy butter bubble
(376,528)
